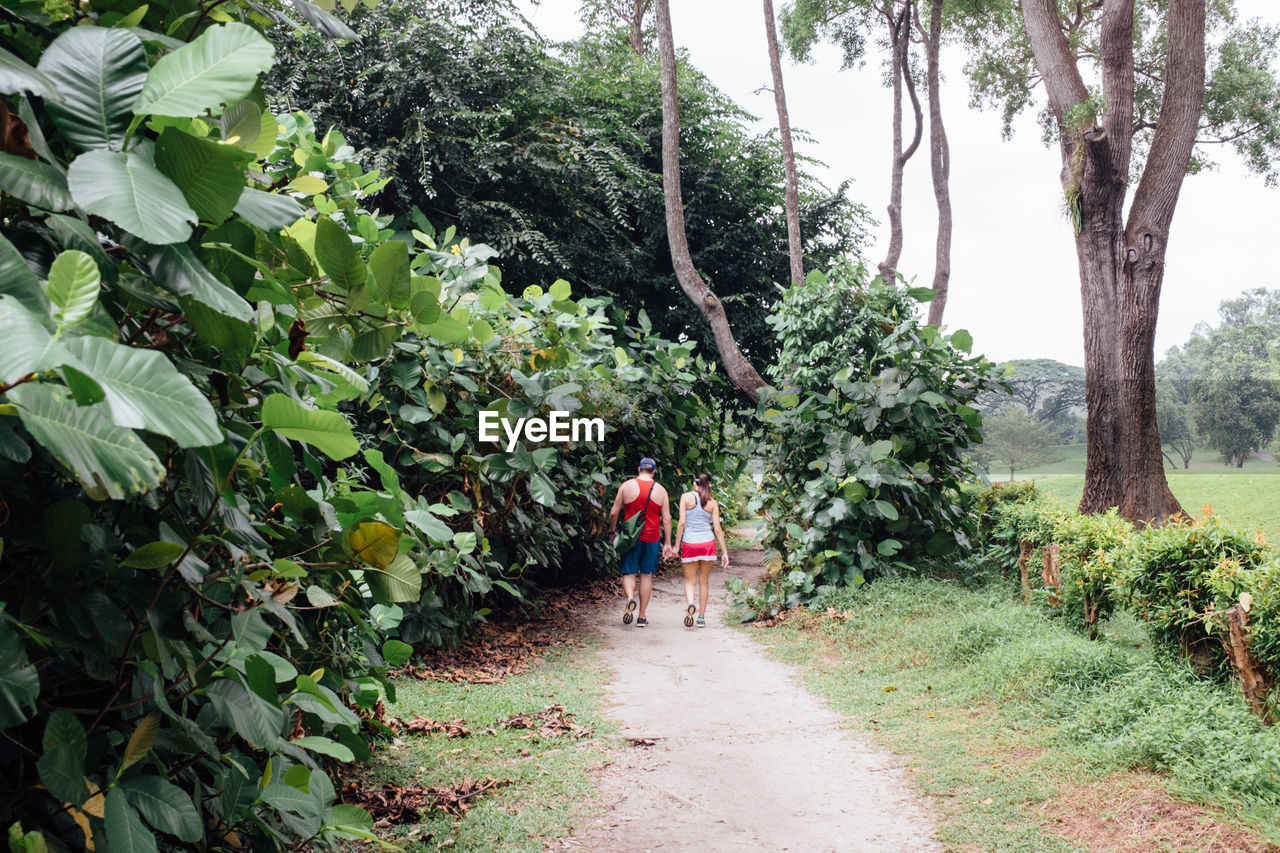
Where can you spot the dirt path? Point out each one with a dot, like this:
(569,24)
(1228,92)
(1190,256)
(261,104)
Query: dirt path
(743,757)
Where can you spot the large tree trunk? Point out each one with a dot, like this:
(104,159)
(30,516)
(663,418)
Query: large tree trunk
(939,163)
(1122,264)
(899,42)
(794,246)
(740,371)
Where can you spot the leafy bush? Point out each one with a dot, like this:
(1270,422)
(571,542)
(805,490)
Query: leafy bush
(1167,574)
(866,434)
(198,602)
(1087,554)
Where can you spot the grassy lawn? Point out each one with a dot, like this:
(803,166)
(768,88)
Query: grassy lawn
(550,794)
(1248,498)
(1029,736)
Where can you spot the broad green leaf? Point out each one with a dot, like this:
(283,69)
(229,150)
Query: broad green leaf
(962,340)
(61,766)
(425,307)
(34,182)
(940,544)
(324,746)
(465,541)
(328,432)
(390,266)
(241,124)
(921,294)
(400,581)
(482,331)
(107,460)
(19,680)
(211,176)
(141,741)
(74,233)
(283,568)
(338,256)
(541,490)
(375,542)
(448,330)
(220,67)
(28,346)
(99,73)
(396,653)
(323,362)
(145,391)
(128,189)
(268,211)
(125,830)
(18,281)
(307,185)
(17,76)
(560,290)
(320,597)
(324,22)
(178,270)
(435,529)
(372,343)
(154,555)
(293,803)
(165,806)
(73,287)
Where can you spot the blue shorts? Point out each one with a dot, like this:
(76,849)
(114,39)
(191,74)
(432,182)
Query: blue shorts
(643,558)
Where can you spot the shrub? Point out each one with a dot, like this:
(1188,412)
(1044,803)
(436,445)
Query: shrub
(1167,576)
(866,434)
(1087,548)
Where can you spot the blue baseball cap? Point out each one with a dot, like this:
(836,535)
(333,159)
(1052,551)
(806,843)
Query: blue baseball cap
(648,463)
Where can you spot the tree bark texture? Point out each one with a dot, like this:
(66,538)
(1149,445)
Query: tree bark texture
(740,371)
(794,245)
(1121,261)
(1024,560)
(939,162)
(1051,574)
(899,43)
(1254,679)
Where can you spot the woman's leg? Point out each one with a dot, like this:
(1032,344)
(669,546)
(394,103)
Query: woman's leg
(690,580)
(704,584)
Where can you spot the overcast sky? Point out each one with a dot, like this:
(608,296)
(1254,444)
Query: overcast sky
(1014,282)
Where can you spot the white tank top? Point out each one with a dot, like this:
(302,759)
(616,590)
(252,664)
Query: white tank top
(697,523)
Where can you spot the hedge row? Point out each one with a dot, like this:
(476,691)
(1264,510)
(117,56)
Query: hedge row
(1207,591)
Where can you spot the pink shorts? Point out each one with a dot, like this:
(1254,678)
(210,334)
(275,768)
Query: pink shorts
(692,552)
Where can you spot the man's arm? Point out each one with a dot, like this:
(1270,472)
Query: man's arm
(613,513)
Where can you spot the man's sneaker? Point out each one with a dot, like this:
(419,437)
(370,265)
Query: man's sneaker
(702,623)
(629,613)
(688,615)
(642,622)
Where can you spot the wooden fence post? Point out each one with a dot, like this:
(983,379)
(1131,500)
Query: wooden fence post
(1051,574)
(1255,681)
(1024,557)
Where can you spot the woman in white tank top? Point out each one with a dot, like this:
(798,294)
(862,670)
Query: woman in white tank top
(698,532)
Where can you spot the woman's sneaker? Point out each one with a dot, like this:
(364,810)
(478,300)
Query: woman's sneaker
(629,613)
(688,615)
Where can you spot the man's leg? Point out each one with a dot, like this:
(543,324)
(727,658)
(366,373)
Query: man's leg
(629,586)
(646,589)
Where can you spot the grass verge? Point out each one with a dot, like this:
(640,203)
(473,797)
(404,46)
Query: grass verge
(550,792)
(1029,736)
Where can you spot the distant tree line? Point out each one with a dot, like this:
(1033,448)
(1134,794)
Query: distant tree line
(1219,390)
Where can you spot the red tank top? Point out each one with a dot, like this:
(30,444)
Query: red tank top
(651,532)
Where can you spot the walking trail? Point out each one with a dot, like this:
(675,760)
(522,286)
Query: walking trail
(743,757)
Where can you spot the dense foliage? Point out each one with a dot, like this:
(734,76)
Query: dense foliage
(1178,578)
(865,437)
(238,438)
(555,157)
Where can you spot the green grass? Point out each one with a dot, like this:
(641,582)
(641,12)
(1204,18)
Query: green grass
(1248,499)
(1203,461)
(551,793)
(1005,716)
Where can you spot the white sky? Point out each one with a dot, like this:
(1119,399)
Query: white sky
(1014,282)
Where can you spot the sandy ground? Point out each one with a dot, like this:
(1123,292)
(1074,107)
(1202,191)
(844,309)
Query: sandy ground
(743,757)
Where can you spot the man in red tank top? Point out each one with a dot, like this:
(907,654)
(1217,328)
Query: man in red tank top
(642,493)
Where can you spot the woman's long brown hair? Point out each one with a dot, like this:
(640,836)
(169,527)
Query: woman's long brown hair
(702,485)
